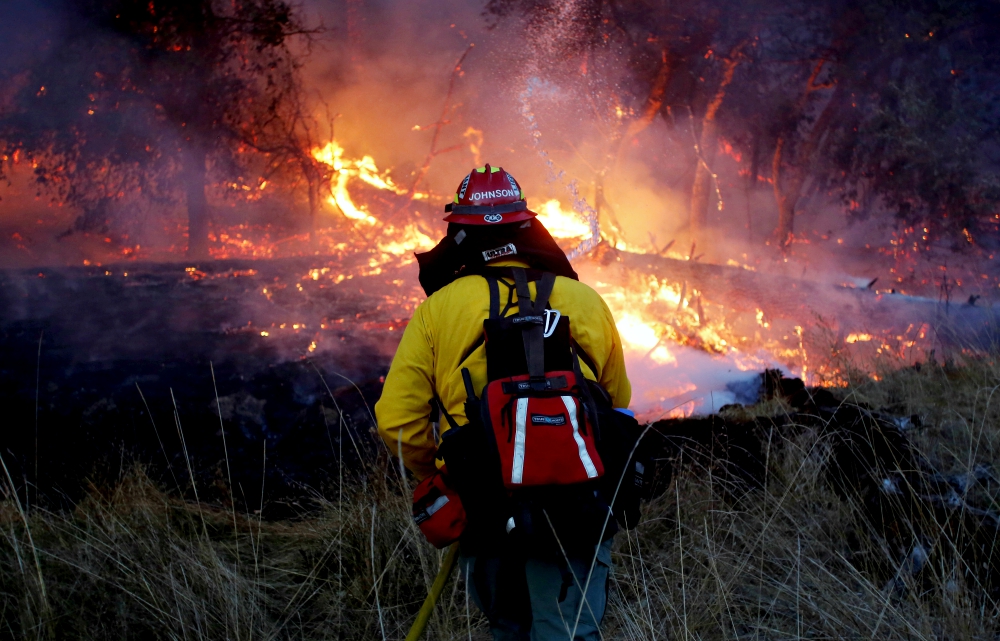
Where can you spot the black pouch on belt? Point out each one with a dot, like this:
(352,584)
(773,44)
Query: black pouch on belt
(629,466)
(473,467)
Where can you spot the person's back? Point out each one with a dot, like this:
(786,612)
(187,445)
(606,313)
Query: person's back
(445,336)
(525,591)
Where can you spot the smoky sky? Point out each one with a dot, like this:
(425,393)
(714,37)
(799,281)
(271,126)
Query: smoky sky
(386,69)
(26,31)
(380,70)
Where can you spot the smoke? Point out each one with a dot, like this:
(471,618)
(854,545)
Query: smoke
(25,29)
(691,382)
(552,125)
(383,70)
(556,115)
(557,118)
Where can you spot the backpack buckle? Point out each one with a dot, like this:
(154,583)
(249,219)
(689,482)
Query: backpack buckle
(550,324)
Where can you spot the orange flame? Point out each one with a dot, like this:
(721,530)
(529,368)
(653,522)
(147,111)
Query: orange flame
(562,224)
(394,242)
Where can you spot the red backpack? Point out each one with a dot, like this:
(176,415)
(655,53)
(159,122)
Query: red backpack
(532,458)
(535,404)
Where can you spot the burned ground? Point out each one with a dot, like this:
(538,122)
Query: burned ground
(124,356)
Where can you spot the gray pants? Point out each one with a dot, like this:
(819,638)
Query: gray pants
(538,600)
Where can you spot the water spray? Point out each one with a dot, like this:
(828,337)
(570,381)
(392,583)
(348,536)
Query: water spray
(580,204)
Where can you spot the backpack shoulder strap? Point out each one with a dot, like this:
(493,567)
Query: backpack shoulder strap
(495,312)
(525,306)
(533,331)
(494,296)
(542,292)
(585,357)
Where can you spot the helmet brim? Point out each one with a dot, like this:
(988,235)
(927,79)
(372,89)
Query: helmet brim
(498,219)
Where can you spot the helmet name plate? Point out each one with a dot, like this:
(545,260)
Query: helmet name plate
(498,193)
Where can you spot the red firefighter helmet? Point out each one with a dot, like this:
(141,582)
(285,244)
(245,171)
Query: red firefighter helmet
(488,196)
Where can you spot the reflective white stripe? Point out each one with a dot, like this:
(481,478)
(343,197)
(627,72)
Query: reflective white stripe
(437,505)
(510,524)
(517,474)
(588,464)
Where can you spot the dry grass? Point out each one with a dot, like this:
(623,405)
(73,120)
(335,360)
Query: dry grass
(134,563)
(793,560)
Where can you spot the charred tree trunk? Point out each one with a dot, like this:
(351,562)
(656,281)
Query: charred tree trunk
(313,204)
(702,177)
(606,216)
(788,187)
(653,106)
(707,144)
(195,176)
(785,198)
(787,195)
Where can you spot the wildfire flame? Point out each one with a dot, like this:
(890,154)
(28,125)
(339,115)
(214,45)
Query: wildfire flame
(656,318)
(369,229)
(365,169)
(394,241)
(562,224)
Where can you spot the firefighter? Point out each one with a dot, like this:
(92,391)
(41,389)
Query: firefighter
(527,589)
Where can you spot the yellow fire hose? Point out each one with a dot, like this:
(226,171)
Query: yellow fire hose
(447,565)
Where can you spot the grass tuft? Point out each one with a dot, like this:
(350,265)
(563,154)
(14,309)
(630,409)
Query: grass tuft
(793,559)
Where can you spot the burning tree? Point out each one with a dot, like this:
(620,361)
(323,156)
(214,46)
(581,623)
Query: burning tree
(915,132)
(682,58)
(889,107)
(159,100)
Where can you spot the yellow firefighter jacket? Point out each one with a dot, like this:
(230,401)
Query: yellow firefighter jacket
(444,327)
